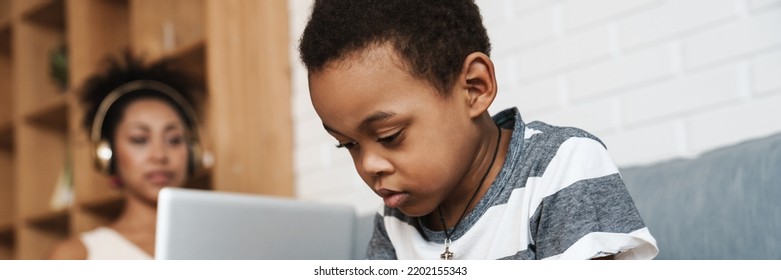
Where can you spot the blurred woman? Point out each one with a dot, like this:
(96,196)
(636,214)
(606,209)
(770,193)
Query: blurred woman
(142,121)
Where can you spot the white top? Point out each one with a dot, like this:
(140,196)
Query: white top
(107,244)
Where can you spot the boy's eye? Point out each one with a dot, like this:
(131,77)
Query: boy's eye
(347,145)
(389,139)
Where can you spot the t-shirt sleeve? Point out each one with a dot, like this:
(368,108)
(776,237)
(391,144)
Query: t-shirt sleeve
(380,246)
(584,210)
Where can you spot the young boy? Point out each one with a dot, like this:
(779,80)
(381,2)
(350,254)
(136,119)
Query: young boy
(405,86)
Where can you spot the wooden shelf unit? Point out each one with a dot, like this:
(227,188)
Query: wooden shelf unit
(40,131)
(5,17)
(5,13)
(41,122)
(7,206)
(6,241)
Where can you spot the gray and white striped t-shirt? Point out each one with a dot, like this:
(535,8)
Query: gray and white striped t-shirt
(557,196)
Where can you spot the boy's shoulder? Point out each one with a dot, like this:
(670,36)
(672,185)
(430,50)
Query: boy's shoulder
(536,145)
(543,143)
(538,133)
(541,132)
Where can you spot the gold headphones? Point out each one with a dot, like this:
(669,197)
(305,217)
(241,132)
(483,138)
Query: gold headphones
(102,148)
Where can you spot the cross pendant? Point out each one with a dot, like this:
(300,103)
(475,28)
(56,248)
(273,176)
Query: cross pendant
(447,255)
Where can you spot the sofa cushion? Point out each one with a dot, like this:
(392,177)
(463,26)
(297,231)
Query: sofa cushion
(724,204)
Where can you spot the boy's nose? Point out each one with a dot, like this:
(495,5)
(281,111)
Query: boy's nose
(375,165)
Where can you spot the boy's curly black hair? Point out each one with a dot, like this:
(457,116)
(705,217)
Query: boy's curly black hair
(126,68)
(433,37)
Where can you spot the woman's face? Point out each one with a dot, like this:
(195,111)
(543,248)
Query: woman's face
(150,148)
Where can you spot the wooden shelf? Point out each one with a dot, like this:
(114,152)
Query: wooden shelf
(35,238)
(5,13)
(5,26)
(5,33)
(40,123)
(201,181)
(7,191)
(96,29)
(106,209)
(6,241)
(22,7)
(32,82)
(6,231)
(5,76)
(190,58)
(159,28)
(6,235)
(98,192)
(48,13)
(51,113)
(56,221)
(7,136)
(6,218)
(5,38)
(189,51)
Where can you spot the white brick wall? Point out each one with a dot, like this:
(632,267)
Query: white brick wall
(759,4)
(654,79)
(749,119)
(689,93)
(672,18)
(767,73)
(548,58)
(738,38)
(576,13)
(522,32)
(599,115)
(641,145)
(649,65)
(521,7)
(545,92)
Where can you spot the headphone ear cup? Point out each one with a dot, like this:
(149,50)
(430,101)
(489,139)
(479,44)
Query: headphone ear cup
(103,156)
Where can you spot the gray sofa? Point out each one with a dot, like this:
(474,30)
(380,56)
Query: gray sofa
(724,204)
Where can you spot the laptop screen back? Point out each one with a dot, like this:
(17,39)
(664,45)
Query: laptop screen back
(195,224)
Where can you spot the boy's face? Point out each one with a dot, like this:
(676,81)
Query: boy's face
(409,143)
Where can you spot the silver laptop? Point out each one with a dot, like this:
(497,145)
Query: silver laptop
(210,225)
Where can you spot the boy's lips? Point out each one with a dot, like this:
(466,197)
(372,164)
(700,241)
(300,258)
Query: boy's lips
(392,199)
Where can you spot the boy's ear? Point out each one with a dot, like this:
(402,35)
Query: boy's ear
(479,80)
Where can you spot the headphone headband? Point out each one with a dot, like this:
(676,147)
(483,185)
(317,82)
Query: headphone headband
(104,154)
(168,91)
